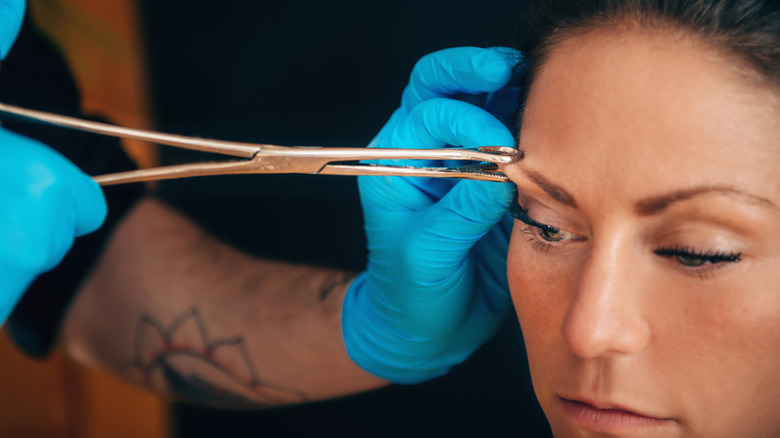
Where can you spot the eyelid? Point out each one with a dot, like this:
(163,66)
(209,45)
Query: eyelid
(521,214)
(557,220)
(719,260)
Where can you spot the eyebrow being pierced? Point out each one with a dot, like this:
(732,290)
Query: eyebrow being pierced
(554,191)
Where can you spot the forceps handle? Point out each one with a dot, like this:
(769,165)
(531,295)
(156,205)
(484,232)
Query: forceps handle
(480,172)
(266,158)
(236,149)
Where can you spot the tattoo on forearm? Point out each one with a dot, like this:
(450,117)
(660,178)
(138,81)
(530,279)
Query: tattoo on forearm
(217,372)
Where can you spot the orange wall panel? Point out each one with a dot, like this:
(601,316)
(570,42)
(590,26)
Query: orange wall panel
(57,398)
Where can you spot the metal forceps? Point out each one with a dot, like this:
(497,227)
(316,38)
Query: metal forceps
(485,161)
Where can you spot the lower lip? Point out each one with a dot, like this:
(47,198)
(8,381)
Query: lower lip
(609,420)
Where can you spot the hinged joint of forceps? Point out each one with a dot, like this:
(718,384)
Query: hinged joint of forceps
(269,159)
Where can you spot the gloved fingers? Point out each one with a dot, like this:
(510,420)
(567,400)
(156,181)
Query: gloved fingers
(468,212)
(433,124)
(47,167)
(56,226)
(482,325)
(512,56)
(490,261)
(474,291)
(507,223)
(89,203)
(11,16)
(454,123)
(394,194)
(490,258)
(31,244)
(441,264)
(495,244)
(504,104)
(487,100)
(381,139)
(459,70)
(439,122)
(36,225)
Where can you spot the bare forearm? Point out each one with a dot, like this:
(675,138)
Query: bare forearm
(174,309)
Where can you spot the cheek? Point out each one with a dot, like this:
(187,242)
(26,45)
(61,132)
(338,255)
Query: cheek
(540,294)
(731,335)
(539,290)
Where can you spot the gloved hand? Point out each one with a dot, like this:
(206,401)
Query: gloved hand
(11,15)
(435,288)
(45,201)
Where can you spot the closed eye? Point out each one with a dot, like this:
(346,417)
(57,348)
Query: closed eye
(699,262)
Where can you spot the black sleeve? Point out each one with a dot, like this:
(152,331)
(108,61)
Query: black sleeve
(35,76)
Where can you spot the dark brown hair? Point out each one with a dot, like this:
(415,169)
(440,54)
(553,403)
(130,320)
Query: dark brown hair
(746,29)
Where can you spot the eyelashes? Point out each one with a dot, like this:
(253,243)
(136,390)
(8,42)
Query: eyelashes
(695,258)
(700,262)
(544,237)
(521,214)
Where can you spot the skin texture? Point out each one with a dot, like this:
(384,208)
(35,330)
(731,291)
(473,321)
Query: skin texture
(620,119)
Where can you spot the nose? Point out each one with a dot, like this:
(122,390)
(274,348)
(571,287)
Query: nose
(605,314)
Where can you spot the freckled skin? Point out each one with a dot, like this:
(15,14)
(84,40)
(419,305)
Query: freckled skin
(614,117)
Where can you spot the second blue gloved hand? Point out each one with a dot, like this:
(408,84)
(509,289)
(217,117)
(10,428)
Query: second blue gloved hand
(46,202)
(11,15)
(435,288)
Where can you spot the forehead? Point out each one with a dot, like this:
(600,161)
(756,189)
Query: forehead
(647,111)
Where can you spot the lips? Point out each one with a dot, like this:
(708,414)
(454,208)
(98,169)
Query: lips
(608,417)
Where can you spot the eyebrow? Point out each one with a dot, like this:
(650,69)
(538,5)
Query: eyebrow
(657,204)
(652,205)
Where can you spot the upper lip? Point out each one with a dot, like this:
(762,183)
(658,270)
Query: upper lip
(607,405)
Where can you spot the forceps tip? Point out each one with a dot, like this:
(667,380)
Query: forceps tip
(507,151)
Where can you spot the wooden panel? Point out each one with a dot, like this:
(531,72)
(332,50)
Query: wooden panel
(111,408)
(59,399)
(32,396)
(101,41)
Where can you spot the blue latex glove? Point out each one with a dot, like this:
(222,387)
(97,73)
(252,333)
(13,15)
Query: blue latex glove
(11,15)
(435,288)
(45,201)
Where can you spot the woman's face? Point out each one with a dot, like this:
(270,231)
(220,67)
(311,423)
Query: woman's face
(645,269)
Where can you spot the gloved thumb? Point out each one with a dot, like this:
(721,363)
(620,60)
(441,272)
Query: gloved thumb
(89,204)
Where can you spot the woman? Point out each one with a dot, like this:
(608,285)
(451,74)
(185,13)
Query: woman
(645,259)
